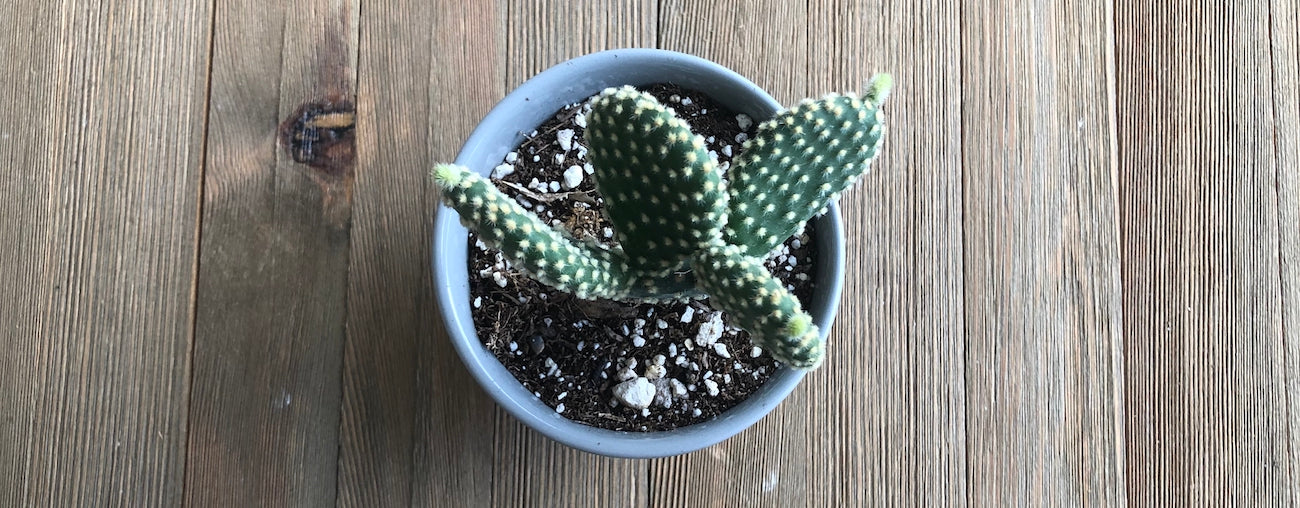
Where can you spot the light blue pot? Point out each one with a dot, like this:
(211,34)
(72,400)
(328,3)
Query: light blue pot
(503,130)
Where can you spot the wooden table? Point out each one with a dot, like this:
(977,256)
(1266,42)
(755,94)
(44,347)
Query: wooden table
(1073,278)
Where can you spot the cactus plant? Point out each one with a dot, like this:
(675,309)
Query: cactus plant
(683,228)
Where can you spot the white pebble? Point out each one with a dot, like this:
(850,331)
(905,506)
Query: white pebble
(726,378)
(744,121)
(645,412)
(756,352)
(638,341)
(500,279)
(659,359)
(726,150)
(572,177)
(609,233)
(555,186)
(565,138)
(562,395)
(686,101)
(537,158)
(654,371)
(478,302)
(721,350)
(512,157)
(696,412)
(796,243)
(635,393)
(502,170)
(672,350)
(688,314)
(514,346)
(588,168)
(742,137)
(711,386)
(559,158)
(581,120)
(559,408)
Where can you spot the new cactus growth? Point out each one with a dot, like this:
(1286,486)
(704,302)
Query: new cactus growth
(684,229)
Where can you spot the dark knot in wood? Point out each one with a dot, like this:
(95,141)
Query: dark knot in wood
(321,134)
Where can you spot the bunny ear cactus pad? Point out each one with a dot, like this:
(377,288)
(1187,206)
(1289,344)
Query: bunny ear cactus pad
(546,253)
(663,192)
(741,286)
(799,161)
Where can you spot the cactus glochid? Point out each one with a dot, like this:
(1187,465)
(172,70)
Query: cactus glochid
(683,228)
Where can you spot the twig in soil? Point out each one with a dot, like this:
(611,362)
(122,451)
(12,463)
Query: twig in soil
(579,196)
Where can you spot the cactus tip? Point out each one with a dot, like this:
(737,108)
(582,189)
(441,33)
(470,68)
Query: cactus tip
(878,89)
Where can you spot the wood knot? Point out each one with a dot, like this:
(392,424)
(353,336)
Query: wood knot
(321,134)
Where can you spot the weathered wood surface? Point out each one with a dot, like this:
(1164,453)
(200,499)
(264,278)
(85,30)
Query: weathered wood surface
(1074,277)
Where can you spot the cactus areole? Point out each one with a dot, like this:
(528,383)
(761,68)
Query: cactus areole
(674,210)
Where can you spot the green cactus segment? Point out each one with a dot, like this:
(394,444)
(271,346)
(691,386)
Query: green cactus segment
(798,162)
(663,192)
(528,243)
(740,286)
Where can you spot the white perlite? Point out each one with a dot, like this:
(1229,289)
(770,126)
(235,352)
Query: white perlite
(710,331)
(679,388)
(565,137)
(688,314)
(653,371)
(721,350)
(636,393)
(502,170)
(711,386)
(512,157)
(756,352)
(572,177)
(581,120)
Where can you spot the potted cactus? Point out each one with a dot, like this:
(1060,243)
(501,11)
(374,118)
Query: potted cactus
(685,228)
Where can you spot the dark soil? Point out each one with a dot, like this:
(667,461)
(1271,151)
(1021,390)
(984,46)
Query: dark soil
(570,352)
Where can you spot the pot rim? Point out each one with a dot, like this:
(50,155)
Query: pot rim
(538,99)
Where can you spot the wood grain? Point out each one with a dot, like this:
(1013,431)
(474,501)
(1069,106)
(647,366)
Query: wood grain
(1285,56)
(415,429)
(889,406)
(529,469)
(757,466)
(1204,162)
(273,264)
(101,136)
(1042,268)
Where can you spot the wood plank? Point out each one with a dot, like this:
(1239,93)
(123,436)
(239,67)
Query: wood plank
(1207,384)
(101,136)
(273,262)
(542,33)
(415,429)
(888,409)
(1285,32)
(757,466)
(1042,267)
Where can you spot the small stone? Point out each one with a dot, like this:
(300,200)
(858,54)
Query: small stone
(537,158)
(635,393)
(559,158)
(686,101)
(744,121)
(711,386)
(721,350)
(562,395)
(653,372)
(726,150)
(661,324)
(742,137)
(672,350)
(503,170)
(756,352)
(512,157)
(565,138)
(696,412)
(796,243)
(659,359)
(645,412)
(688,314)
(638,341)
(572,177)
(588,168)
(609,233)
(580,120)
(663,392)
(499,279)
(559,408)
(514,346)
(554,186)
(478,302)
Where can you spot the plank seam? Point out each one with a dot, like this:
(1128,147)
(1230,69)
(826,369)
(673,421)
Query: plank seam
(198,251)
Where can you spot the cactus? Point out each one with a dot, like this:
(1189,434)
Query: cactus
(683,230)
